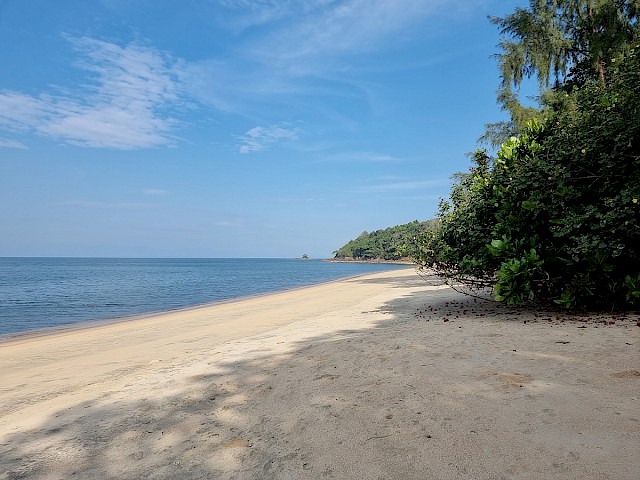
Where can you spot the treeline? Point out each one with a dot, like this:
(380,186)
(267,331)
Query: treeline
(554,217)
(394,243)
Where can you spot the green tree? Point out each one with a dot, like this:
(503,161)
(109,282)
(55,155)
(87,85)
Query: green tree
(563,43)
(554,217)
(393,243)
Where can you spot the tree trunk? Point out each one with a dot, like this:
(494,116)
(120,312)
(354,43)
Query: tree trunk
(599,62)
(601,73)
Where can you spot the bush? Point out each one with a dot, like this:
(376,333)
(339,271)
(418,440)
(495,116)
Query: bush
(555,216)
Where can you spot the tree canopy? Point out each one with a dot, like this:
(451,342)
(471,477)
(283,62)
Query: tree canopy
(393,243)
(554,217)
(563,43)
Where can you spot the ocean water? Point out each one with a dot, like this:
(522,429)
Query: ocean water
(38,293)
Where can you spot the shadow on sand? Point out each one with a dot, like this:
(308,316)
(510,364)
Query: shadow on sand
(404,399)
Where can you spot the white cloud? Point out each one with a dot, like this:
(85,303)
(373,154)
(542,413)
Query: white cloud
(399,185)
(104,205)
(316,48)
(124,105)
(366,157)
(19,112)
(8,143)
(243,14)
(230,222)
(351,27)
(260,138)
(328,26)
(156,191)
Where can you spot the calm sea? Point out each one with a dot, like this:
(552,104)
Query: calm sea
(38,293)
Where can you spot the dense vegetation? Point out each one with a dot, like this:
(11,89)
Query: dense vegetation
(394,243)
(554,217)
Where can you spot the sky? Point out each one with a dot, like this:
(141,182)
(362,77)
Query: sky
(234,128)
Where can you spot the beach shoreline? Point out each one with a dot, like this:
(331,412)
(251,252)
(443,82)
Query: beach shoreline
(60,293)
(383,375)
(87,324)
(404,261)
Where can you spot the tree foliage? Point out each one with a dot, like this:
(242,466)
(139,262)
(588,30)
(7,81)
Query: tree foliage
(563,43)
(555,216)
(394,243)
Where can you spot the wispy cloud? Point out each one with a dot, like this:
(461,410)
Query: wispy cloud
(156,191)
(230,223)
(402,185)
(328,27)
(349,27)
(328,35)
(243,14)
(313,48)
(366,157)
(299,200)
(126,103)
(7,143)
(260,138)
(104,205)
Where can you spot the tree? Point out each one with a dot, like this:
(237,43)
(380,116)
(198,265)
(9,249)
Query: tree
(393,243)
(554,217)
(563,43)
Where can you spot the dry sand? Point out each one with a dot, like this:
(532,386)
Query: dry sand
(384,376)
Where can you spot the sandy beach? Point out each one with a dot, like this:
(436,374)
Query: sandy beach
(384,376)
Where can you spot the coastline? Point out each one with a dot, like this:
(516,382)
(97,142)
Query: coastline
(88,324)
(377,376)
(141,308)
(403,261)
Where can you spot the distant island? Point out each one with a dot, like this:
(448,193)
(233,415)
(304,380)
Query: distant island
(393,244)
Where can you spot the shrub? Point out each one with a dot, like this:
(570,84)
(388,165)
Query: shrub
(555,216)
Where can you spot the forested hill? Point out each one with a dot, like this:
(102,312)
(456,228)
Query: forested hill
(394,243)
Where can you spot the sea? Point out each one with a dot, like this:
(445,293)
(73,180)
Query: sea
(44,293)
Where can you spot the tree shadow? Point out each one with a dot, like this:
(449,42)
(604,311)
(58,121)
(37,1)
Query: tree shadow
(354,403)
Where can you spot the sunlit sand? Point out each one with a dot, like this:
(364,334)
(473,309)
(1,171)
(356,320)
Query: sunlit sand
(384,376)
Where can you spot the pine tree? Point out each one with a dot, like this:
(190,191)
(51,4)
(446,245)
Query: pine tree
(563,43)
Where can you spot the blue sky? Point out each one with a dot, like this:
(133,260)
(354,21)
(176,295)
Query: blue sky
(234,128)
